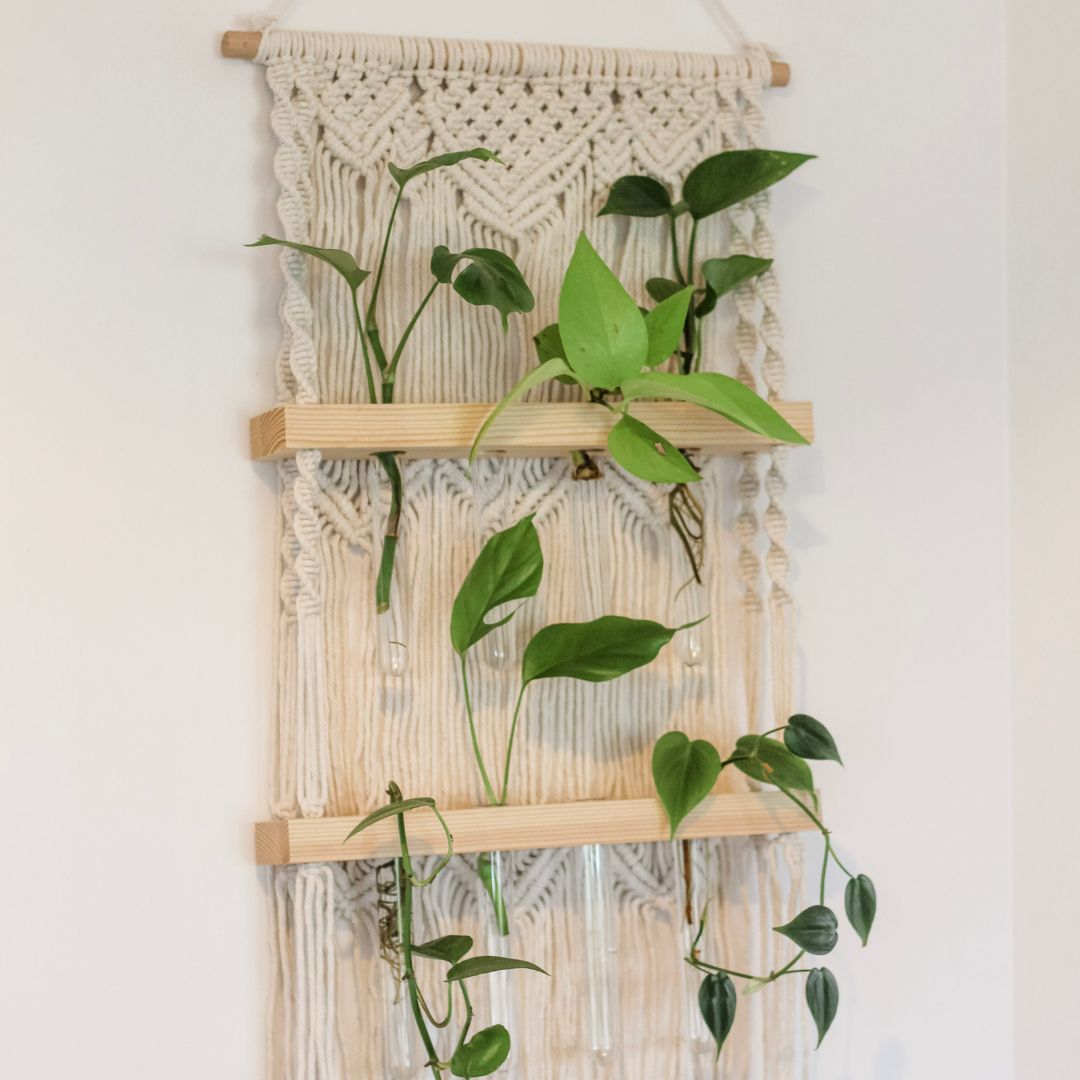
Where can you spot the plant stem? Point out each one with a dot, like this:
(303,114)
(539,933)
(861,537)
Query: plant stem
(675,251)
(488,789)
(364,350)
(371,317)
(392,369)
(690,252)
(510,744)
(468,1016)
(390,466)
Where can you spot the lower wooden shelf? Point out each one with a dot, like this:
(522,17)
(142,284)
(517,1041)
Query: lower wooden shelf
(513,828)
(522,429)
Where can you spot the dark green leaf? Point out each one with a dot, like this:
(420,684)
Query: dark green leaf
(646,453)
(823,996)
(637,196)
(771,762)
(860,903)
(484,965)
(684,773)
(450,948)
(509,567)
(723,275)
(390,810)
(660,288)
(717,1000)
(483,1053)
(549,346)
(403,176)
(813,930)
(721,394)
(728,178)
(490,279)
(594,651)
(601,327)
(810,739)
(341,261)
(664,325)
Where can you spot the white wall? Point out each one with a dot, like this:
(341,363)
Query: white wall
(137,577)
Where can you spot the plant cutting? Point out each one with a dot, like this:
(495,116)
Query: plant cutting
(489,1048)
(684,772)
(483,277)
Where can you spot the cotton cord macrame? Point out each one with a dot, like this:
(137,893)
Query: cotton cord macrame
(567,122)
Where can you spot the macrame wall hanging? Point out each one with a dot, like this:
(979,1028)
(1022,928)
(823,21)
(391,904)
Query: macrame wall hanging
(608,922)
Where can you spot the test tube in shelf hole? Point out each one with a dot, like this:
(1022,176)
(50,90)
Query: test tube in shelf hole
(601,959)
(495,881)
(490,482)
(402,1054)
(386,496)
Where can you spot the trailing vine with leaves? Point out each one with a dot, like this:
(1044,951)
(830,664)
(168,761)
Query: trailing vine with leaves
(684,772)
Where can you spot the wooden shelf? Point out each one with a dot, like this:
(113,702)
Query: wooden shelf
(524,429)
(514,828)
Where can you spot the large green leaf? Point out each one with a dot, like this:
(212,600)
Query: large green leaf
(637,196)
(484,965)
(449,949)
(601,327)
(728,178)
(340,260)
(684,773)
(483,1053)
(813,930)
(403,176)
(723,275)
(391,810)
(810,739)
(772,762)
(664,325)
(717,1001)
(509,567)
(646,453)
(594,651)
(822,996)
(490,279)
(719,393)
(860,904)
(544,373)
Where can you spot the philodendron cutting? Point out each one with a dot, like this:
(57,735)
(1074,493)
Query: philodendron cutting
(684,772)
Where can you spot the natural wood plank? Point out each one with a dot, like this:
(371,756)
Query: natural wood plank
(513,828)
(524,429)
(244,45)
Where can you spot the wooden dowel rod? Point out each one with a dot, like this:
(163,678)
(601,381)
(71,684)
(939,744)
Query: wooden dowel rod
(244,45)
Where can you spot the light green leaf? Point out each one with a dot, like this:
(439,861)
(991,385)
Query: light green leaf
(594,651)
(637,196)
(664,325)
(860,904)
(646,453)
(403,176)
(490,279)
(822,997)
(660,288)
(813,929)
(450,948)
(484,965)
(723,275)
(718,393)
(391,810)
(340,260)
(684,773)
(602,329)
(728,178)
(483,1054)
(810,739)
(717,1001)
(771,762)
(545,372)
(509,567)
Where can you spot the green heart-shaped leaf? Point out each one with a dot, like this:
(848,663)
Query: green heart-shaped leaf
(813,929)
(664,325)
(684,773)
(510,566)
(450,948)
(491,279)
(717,1001)
(734,175)
(403,176)
(484,965)
(646,453)
(723,275)
(823,997)
(771,762)
(637,196)
(340,260)
(860,904)
(810,739)
(483,1053)
(601,327)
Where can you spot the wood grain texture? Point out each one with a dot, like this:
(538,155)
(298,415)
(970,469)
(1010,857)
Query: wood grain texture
(514,828)
(526,429)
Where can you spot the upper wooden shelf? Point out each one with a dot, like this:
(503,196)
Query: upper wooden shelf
(515,828)
(526,429)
